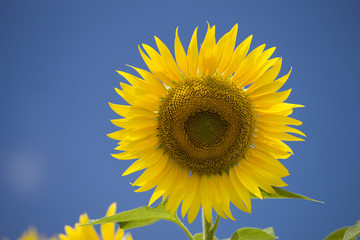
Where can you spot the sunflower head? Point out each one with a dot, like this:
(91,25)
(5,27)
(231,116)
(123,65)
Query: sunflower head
(207,125)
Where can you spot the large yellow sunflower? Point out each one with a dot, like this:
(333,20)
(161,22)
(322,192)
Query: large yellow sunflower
(89,233)
(207,127)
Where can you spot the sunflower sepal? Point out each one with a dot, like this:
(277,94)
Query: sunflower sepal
(282,193)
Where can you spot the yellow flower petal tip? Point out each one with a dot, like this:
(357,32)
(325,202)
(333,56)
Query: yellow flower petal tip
(32,234)
(206,122)
(108,230)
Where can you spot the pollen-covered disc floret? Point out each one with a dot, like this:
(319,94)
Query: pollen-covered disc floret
(206,124)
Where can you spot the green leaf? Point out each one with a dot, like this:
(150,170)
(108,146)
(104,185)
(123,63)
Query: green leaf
(337,235)
(345,233)
(137,217)
(269,230)
(352,232)
(253,234)
(199,236)
(282,193)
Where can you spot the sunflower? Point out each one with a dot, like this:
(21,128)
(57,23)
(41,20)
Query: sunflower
(89,232)
(208,126)
(32,234)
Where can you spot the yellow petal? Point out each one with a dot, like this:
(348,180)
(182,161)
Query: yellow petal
(70,232)
(135,122)
(238,56)
(206,198)
(165,182)
(268,88)
(63,237)
(88,231)
(178,193)
(270,148)
(207,62)
(108,229)
(283,109)
(269,176)
(138,83)
(271,98)
(284,136)
(138,145)
(254,71)
(119,234)
(237,192)
(196,203)
(271,128)
(248,67)
(278,120)
(268,76)
(263,184)
(130,111)
(227,49)
(240,189)
(133,133)
(151,80)
(216,195)
(278,144)
(157,68)
(138,98)
(225,196)
(268,161)
(168,59)
(156,195)
(144,162)
(180,55)
(241,174)
(135,153)
(191,191)
(193,54)
(150,177)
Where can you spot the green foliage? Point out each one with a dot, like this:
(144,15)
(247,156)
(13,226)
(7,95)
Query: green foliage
(199,236)
(345,233)
(138,217)
(282,193)
(337,235)
(254,234)
(352,232)
(269,230)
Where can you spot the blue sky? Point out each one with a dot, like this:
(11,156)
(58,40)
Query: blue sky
(58,62)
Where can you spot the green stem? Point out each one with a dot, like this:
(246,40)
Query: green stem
(209,229)
(214,227)
(206,228)
(184,228)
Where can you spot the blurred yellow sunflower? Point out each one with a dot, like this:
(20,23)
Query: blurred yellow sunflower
(208,126)
(89,233)
(32,234)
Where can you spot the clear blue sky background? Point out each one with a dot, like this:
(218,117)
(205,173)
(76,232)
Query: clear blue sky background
(58,62)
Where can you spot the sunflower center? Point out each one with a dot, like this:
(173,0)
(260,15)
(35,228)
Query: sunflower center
(206,124)
(205,128)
